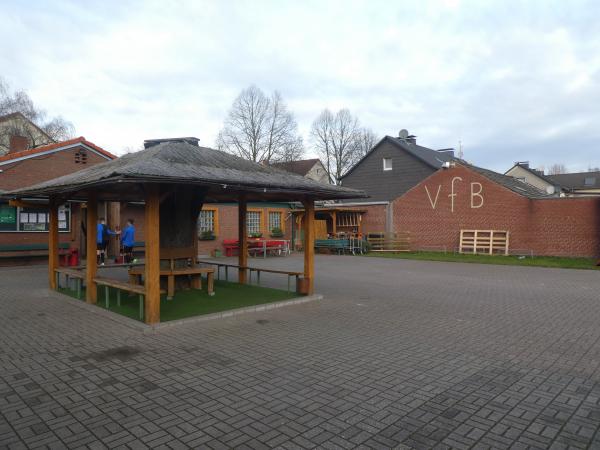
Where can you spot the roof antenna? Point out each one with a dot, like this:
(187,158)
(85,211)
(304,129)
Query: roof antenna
(460,150)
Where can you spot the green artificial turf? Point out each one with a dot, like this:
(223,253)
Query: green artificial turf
(193,302)
(539,261)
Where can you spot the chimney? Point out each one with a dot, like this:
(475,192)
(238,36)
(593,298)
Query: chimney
(446,151)
(187,140)
(18,144)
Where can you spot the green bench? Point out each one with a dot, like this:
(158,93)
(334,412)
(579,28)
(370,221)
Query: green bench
(337,245)
(28,250)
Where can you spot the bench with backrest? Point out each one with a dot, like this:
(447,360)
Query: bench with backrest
(231,247)
(190,269)
(337,245)
(29,250)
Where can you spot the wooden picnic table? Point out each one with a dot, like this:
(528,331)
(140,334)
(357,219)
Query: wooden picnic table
(195,274)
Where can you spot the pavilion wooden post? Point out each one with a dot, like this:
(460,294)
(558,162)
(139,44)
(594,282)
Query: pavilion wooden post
(152,257)
(53,242)
(243,240)
(334,220)
(91,260)
(309,244)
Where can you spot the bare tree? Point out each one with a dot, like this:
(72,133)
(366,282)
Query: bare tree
(261,128)
(335,137)
(53,129)
(556,169)
(365,141)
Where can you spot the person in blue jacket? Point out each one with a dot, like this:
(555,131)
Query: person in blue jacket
(103,234)
(127,241)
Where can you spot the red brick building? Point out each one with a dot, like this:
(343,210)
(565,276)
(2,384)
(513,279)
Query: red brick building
(23,229)
(468,197)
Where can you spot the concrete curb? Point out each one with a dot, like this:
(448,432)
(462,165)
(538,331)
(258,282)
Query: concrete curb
(132,323)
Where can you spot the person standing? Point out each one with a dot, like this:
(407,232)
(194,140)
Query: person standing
(103,234)
(128,240)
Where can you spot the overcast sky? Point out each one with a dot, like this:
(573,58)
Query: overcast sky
(511,80)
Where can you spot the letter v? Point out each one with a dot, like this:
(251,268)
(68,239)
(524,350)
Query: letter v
(433,202)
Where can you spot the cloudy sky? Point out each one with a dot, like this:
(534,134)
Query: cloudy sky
(511,80)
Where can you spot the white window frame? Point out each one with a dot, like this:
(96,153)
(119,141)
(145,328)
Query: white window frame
(253,219)
(206,221)
(387,167)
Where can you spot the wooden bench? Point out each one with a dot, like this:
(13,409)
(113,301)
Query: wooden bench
(289,274)
(258,270)
(73,273)
(195,273)
(122,286)
(30,250)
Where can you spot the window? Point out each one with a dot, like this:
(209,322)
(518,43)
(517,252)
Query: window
(32,219)
(387,163)
(37,219)
(253,219)
(275,220)
(206,221)
(589,181)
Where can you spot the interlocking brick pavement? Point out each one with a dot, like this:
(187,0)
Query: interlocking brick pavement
(399,354)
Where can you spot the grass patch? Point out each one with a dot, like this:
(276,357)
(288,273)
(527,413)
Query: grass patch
(537,261)
(193,302)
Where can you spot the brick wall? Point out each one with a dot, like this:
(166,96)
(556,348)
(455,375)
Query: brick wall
(35,170)
(228,225)
(374,218)
(45,167)
(561,226)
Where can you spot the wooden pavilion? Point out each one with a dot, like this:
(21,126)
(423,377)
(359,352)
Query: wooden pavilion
(175,178)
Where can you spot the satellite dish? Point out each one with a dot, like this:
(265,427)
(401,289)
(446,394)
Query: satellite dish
(550,190)
(403,133)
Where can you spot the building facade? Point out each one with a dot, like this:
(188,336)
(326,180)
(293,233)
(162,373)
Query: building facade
(23,229)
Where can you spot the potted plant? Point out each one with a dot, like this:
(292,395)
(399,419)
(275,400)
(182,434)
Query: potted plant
(276,232)
(256,235)
(207,235)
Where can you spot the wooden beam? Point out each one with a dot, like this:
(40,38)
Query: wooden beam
(53,243)
(152,257)
(309,244)
(243,240)
(23,204)
(91,260)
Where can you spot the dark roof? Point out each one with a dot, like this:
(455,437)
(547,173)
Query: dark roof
(431,157)
(512,183)
(537,173)
(222,174)
(301,167)
(577,180)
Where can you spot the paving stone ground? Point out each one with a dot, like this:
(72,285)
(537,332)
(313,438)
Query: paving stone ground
(399,354)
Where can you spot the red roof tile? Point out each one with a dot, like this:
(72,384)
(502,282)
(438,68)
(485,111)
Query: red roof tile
(58,145)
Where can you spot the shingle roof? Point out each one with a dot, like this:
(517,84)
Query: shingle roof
(56,146)
(515,185)
(301,167)
(429,156)
(184,163)
(576,180)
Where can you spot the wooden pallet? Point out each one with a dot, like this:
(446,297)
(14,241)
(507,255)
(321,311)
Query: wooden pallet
(389,242)
(489,242)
